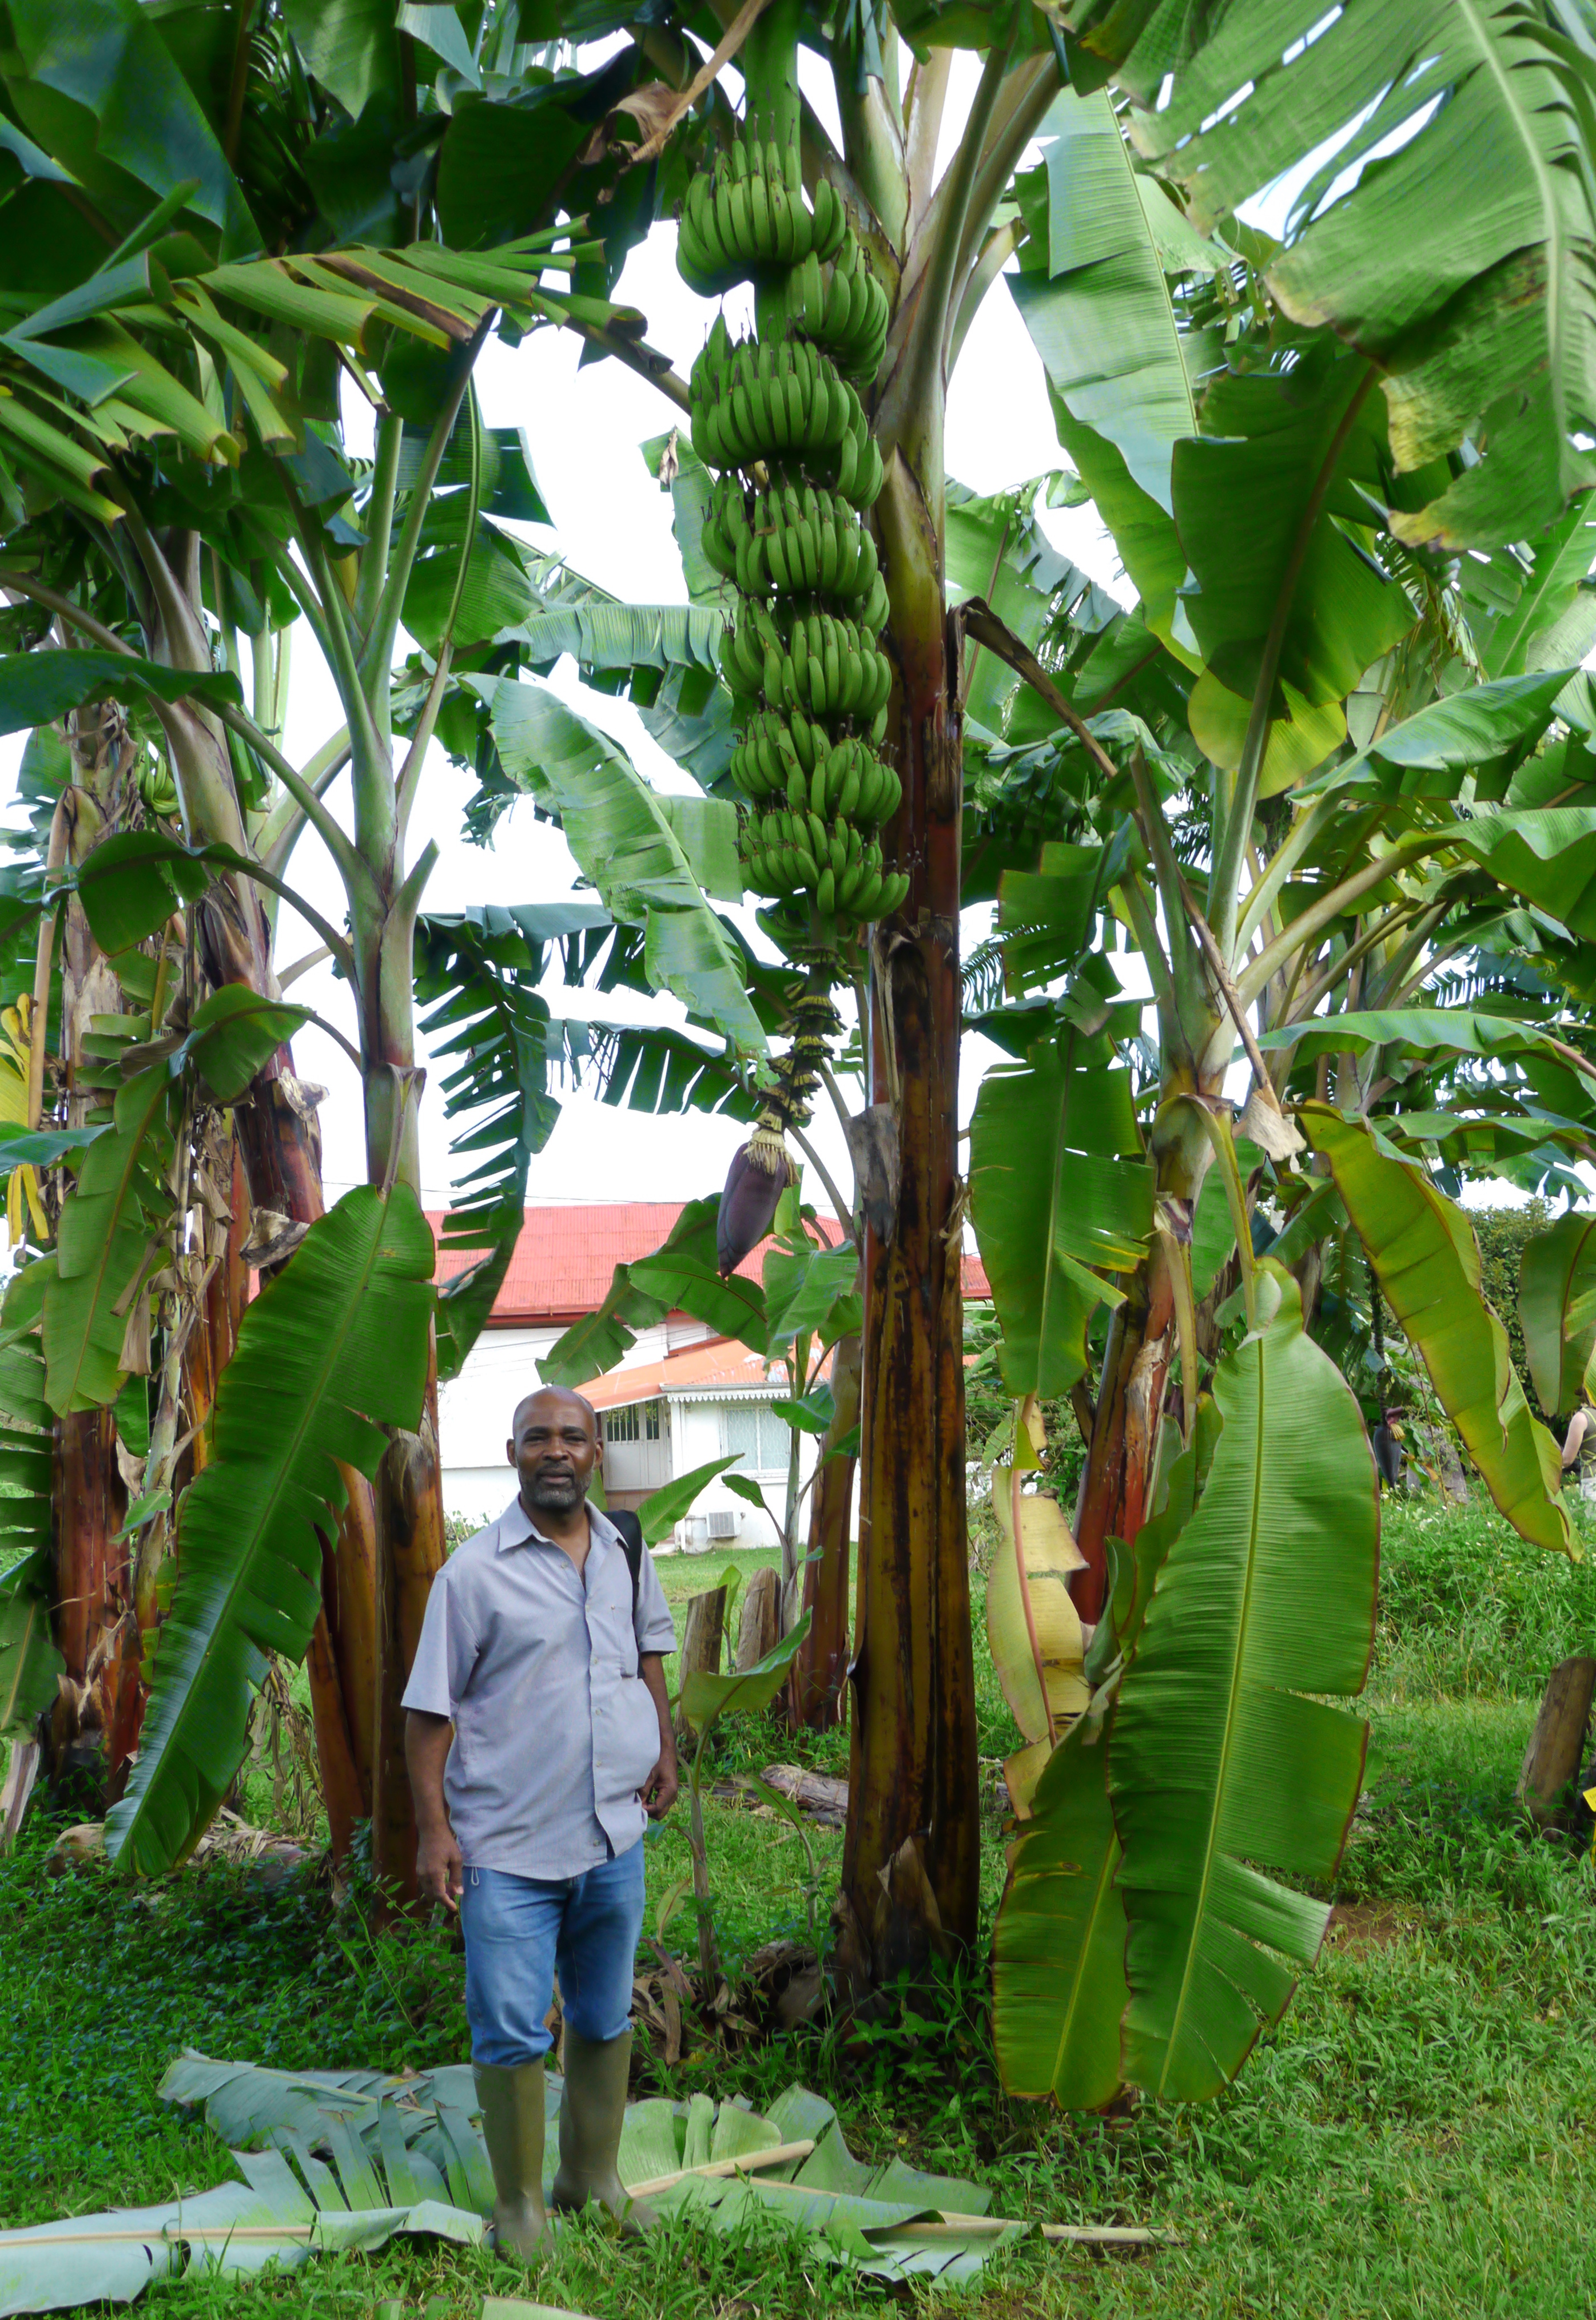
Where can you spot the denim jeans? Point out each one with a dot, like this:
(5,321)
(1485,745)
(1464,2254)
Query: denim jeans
(520,1930)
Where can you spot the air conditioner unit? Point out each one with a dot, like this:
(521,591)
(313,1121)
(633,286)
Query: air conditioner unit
(722,1523)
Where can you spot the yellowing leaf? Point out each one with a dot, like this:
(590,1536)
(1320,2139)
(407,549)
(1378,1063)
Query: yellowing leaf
(1050,1555)
(1297,744)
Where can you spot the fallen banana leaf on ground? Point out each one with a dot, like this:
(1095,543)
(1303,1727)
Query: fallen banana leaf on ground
(516,2307)
(337,2160)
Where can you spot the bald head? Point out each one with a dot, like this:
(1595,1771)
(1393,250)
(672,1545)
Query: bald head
(555,1400)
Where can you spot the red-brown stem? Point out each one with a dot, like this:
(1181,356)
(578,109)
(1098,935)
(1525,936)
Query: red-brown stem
(820,1671)
(911,1864)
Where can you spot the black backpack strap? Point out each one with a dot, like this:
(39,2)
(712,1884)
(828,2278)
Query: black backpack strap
(631,1539)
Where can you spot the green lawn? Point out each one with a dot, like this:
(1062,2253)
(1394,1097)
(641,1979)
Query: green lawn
(1412,2140)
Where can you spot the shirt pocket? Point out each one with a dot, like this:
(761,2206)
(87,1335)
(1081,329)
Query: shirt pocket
(620,1632)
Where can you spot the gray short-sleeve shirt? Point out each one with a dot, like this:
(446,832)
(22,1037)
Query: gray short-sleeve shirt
(537,1666)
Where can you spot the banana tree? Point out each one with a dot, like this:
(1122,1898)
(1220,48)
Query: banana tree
(1373,771)
(180,494)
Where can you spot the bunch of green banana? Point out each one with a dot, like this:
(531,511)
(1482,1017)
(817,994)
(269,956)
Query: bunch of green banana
(781,406)
(792,541)
(748,216)
(781,418)
(791,852)
(823,664)
(844,779)
(843,308)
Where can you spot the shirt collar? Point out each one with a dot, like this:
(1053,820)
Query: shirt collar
(516,1528)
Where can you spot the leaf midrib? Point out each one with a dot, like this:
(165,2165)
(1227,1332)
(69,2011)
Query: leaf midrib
(1210,1848)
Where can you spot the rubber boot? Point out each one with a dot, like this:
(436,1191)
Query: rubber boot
(590,2118)
(511,2100)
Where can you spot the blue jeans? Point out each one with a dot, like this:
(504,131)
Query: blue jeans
(518,1930)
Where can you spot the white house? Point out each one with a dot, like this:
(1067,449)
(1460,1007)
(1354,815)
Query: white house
(665,1415)
(682,1397)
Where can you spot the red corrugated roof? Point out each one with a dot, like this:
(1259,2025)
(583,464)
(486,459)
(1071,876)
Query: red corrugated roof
(565,1256)
(721,1362)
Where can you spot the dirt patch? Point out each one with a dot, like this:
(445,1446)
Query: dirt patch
(1357,1927)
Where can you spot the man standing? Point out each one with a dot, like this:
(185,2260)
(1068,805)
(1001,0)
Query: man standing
(544,1649)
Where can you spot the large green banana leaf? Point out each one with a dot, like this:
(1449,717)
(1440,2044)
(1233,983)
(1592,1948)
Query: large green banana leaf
(1534,609)
(1092,291)
(1269,506)
(109,1221)
(1220,1766)
(37,687)
(1429,1031)
(26,1452)
(29,1660)
(1423,1252)
(1058,1946)
(624,840)
(1058,1207)
(1093,294)
(1446,224)
(1486,729)
(1059,1989)
(334,1349)
(1557,1311)
(1548,855)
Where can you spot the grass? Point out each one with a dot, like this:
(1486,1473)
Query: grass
(1415,2139)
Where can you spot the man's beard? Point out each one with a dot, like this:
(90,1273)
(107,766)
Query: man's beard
(556,1493)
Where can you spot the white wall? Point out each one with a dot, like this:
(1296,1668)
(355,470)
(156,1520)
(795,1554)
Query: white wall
(698,1434)
(474,1409)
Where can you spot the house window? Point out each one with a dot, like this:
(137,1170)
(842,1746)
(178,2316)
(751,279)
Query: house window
(639,1422)
(754,1430)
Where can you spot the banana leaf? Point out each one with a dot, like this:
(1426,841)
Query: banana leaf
(663,1509)
(238,2228)
(38,688)
(1045,1698)
(706,1698)
(331,1351)
(234,1032)
(1557,1311)
(1057,1206)
(1494,316)
(1092,291)
(1424,1255)
(351,2131)
(1220,1767)
(29,1660)
(1427,1030)
(490,1030)
(624,840)
(1059,1988)
(27,1467)
(108,1225)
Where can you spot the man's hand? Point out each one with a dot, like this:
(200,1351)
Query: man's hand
(658,1792)
(440,1871)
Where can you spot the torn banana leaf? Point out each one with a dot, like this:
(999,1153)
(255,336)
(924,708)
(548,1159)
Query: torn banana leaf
(272,2217)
